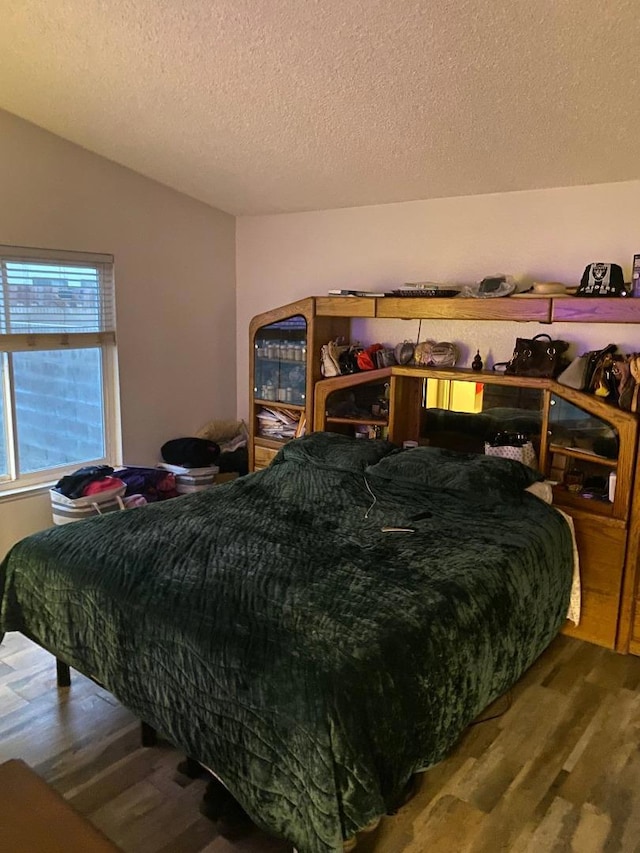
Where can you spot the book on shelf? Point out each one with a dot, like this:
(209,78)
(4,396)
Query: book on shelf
(348,292)
(278,423)
(302,426)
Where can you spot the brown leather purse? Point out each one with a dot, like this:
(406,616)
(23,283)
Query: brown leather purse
(540,356)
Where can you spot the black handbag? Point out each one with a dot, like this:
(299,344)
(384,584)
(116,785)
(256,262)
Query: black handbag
(539,357)
(348,360)
(579,374)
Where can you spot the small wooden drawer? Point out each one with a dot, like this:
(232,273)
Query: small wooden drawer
(263,457)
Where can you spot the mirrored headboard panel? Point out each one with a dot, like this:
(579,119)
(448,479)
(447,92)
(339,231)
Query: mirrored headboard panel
(463,415)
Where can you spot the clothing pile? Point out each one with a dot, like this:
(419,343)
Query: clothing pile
(136,486)
(190,464)
(217,454)
(90,480)
(220,444)
(92,490)
(147,485)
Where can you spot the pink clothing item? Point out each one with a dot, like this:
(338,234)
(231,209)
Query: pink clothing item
(133,501)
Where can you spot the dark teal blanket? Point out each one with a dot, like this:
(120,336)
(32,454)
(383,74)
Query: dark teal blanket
(270,628)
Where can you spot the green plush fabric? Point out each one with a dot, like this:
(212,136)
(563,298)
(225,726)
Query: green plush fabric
(487,477)
(269,627)
(483,424)
(332,450)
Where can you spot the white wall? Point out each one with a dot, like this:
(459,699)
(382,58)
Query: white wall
(543,235)
(177,308)
(175,286)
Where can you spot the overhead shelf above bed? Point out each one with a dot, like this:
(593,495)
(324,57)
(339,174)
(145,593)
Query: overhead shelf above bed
(566,309)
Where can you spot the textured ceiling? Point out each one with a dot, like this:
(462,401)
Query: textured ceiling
(261,106)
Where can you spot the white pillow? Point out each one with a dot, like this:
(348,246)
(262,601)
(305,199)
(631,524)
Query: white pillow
(542,490)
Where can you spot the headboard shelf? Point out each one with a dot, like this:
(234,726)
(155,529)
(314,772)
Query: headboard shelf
(585,456)
(460,308)
(603,527)
(608,532)
(569,502)
(566,309)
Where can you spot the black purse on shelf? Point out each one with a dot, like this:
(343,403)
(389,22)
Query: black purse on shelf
(540,357)
(348,359)
(580,373)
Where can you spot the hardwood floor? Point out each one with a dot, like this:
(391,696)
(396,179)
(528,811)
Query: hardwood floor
(557,770)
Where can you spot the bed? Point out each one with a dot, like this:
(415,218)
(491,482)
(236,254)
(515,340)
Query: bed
(316,632)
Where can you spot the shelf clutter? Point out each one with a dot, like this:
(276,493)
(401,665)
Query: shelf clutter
(601,279)
(188,465)
(280,424)
(603,522)
(537,308)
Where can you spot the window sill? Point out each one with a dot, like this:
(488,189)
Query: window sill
(12,491)
(17,493)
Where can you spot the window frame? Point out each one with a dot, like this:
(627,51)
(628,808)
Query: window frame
(104,340)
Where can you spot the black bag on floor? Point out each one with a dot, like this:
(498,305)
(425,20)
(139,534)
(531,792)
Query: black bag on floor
(190,452)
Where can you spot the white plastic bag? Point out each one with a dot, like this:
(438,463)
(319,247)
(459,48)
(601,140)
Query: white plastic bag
(521,453)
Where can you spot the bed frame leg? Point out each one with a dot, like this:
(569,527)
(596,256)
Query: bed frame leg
(349,844)
(148,735)
(63,673)
(191,768)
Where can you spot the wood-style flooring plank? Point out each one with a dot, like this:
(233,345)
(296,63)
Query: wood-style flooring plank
(553,767)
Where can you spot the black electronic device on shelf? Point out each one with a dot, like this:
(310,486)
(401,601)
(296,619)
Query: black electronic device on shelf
(425,292)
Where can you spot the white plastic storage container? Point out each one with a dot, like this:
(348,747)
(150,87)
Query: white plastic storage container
(196,480)
(189,480)
(64,509)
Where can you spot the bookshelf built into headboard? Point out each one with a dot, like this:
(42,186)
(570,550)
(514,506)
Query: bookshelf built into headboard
(285,377)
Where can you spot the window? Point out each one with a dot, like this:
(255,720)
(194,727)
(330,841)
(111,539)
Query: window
(58,395)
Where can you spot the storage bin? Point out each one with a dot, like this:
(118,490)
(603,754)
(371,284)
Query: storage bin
(189,480)
(195,480)
(64,509)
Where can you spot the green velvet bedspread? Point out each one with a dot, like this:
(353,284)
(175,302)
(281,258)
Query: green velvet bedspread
(270,628)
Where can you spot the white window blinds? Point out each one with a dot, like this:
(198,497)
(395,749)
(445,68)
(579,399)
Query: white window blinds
(55,299)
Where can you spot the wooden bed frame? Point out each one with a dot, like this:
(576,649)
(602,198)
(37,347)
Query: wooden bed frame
(608,534)
(609,541)
(405,402)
